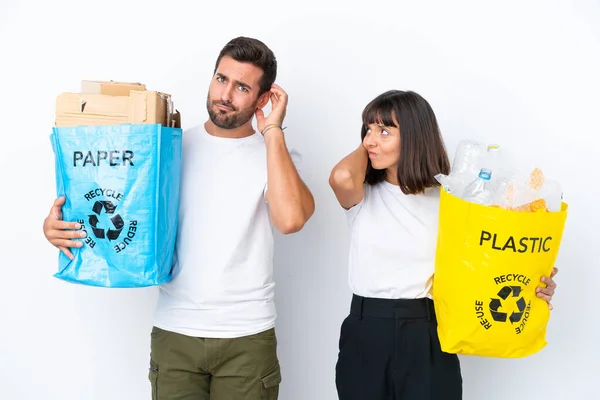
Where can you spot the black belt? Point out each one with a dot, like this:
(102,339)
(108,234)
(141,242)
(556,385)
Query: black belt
(392,308)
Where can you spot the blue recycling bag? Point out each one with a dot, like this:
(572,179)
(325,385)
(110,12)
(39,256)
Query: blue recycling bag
(121,183)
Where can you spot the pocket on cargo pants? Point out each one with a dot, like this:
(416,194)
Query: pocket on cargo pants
(153,377)
(270,383)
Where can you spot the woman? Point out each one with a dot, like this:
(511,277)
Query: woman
(389,348)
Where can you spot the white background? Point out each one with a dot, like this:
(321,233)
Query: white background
(520,73)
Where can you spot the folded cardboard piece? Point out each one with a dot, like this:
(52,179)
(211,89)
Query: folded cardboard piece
(115,103)
(110,87)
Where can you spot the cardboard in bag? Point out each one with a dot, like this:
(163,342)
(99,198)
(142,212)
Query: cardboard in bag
(139,107)
(111,88)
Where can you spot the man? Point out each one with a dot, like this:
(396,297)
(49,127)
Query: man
(214,332)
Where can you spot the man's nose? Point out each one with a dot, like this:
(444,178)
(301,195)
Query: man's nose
(227,94)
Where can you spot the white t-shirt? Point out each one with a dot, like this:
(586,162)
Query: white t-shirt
(393,242)
(222,284)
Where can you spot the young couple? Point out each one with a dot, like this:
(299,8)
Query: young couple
(213,335)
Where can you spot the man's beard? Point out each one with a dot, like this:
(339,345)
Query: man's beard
(231,120)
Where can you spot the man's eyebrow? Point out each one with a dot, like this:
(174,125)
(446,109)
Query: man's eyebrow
(244,84)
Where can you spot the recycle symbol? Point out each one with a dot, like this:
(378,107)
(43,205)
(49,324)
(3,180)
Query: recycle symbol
(110,230)
(496,304)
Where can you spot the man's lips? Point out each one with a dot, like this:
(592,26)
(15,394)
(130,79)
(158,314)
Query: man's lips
(224,107)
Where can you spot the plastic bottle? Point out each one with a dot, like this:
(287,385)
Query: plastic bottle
(551,191)
(466,165)
(478,191)
(467,160)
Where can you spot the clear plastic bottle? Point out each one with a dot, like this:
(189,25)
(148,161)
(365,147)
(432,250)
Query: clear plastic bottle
(468,157)
(493,158)
(551,192)
(466,165)
(498,160)
(478,191)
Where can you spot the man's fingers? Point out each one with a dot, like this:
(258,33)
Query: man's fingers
(57,206)
(56,210)
(274,100)
(275,88)
(554,272)
(60,233)
(66,243)
(59,202)
(279,92)
(65,234)
(66,252)
(278,98)
(60,225)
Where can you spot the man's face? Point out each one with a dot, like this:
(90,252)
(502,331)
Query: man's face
(233,93)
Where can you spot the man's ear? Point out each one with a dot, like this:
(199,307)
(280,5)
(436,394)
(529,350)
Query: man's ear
(263,99)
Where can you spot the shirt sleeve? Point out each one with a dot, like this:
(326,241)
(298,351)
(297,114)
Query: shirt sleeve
(353,211)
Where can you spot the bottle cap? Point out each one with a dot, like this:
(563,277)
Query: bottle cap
(485,174)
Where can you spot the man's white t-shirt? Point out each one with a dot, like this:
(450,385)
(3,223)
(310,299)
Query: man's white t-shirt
(393,242)
(222,284)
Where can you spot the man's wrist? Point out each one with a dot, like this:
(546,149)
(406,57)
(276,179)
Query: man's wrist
(274,134)
(270,127)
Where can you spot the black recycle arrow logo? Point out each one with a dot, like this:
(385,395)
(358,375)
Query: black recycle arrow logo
(116,222)
(504,294)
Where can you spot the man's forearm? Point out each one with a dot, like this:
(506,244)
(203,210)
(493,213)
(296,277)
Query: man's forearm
(290,201)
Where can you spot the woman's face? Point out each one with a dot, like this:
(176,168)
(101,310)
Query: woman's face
(383,144)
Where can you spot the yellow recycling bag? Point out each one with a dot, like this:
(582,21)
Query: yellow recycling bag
(489,262)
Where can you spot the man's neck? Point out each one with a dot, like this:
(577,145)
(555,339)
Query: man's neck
(237,133)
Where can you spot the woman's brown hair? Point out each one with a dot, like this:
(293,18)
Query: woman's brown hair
(422,151)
